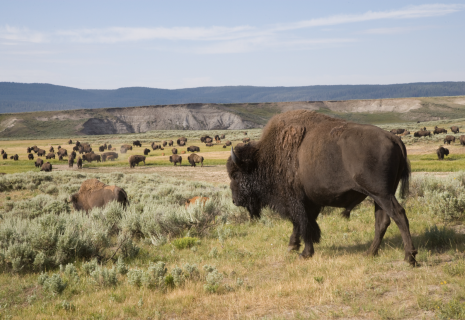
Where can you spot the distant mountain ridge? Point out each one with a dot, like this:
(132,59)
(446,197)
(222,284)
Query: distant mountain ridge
(22,97)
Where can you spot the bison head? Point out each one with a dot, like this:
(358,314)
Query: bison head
(242,170)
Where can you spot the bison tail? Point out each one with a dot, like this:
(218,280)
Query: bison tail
(405,175)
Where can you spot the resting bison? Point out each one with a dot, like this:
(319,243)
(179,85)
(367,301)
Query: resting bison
(193,149)
(423,133)
(70,162)
(30,156)
(146,151)
(96,194)
(441,152)
(176,159)
(50,156)
(15,157)
(133,160)
(194,158)
(40,152)
(137,143)
(39,162)
(455,129)
(11,157)
(194,200)
(47,167)
(208,140)
(439,130)
(397,131)
(405,133)
(79,163)
(246,140)
(305,161)
(181,139)
(448,139)
(204,139)
(462,140)
(5,155)
(174,151)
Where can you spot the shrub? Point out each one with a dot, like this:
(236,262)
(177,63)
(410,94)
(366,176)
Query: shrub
(455,268)
(183,243)
(105,277)
(213,279)
(121,267)
(53,284)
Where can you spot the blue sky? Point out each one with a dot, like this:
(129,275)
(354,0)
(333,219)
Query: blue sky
(183,44)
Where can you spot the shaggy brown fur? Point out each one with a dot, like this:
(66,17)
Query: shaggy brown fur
(193,149)
(79,163)
(422,133)
(174,151)
(305,161)
(137,143)
(176,159)
(39,162)
(439,130)
(47,167)
(441,152)
(195,158)
(96,194)
(30,156)
(455,129)
(462,140)
(135,159)
(448,139)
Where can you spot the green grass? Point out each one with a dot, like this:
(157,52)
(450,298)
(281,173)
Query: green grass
(430,163)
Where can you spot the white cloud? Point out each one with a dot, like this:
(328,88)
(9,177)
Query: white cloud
(21,35)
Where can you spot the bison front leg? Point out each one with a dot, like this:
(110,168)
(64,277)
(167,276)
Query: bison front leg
(294,241)
(309,230)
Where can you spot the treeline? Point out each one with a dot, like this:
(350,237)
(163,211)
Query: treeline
(20,97)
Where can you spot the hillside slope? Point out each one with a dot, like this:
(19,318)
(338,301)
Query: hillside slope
(219,116)
(22,97)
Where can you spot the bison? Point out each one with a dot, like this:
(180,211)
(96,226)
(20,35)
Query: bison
(51,149)
(154,146)
(28,150)
(96,194)
(194,200)
(165,143)
(114,154)
(146,151)
(2,152)
(15,157)
(222,136)
(101,148)
(79,163)
(175,159)
(135,159)
(184,139)
(170,143)
(195,158)
(123,150)
(441,152)
(455,129)
(193,149)
(174,151)
(89,157)
(397,131)
(47,167)
(209,144)
(109,147)
(70,141)
(208,140)
(422,133)
(70,162)
(305,161)
(62,152)
(127,146)
(137,143)
(111,157)
(39,162)
(203,139)
(40,152)
(227,143)
(439,130)
(448,139)
(50,156)
(30,156)
(246,140)
(5,155)
(462,140)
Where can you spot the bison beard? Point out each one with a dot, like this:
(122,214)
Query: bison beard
(305,161)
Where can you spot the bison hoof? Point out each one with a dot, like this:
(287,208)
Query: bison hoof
(293,248)
(410,258)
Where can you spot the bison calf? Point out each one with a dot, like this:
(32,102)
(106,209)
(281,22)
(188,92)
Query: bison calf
(201,200)
(79,163)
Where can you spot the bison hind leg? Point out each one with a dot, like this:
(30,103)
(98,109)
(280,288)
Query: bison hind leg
(346,213)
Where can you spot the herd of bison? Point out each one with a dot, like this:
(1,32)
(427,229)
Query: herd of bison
(108,152)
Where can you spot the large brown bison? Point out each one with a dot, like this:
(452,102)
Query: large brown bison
(174,151)
(146,151)
(462,140)
(79,162)
(96,194)
(101,148)
(441,152)
(47,167)
(165,143)
(193,149)
(5,155)
(135,159)
(15,157)
(448,139)
(70,141)
(305,161)
(70,162)
(439,130)
(51,149)
(170,143)
(227,143)
(182,139)
(422,133)
(84,149)
(28,150)
(137,143)
(50,156)
(30,156)
(40,152)
(39,162)
(127,146)
(89,157)
(455,129)
(176,159)
(35,149)
(154,146)
(204,139)
(195,158)
(208,140)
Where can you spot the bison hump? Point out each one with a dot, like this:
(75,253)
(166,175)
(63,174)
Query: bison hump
(291,137)
(91,185)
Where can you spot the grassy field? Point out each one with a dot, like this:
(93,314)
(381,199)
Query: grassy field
(230,267)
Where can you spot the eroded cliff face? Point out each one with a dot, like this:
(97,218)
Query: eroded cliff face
(179,117)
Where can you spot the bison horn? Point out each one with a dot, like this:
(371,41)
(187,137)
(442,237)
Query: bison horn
(235,158)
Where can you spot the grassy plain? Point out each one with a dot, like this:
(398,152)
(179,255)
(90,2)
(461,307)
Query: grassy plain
(260,279)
